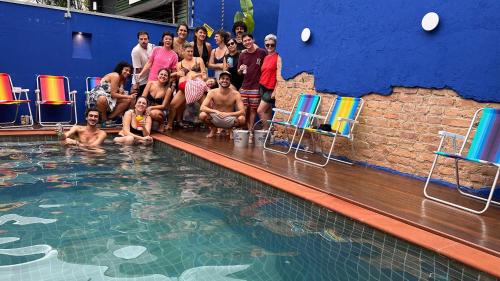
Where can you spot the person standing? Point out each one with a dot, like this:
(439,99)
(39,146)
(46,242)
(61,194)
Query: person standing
(249,64)
(239,28)
(231,63)
(216,61)
(180,40)
(162,57)
(202,48)
(140,56)
(270,73)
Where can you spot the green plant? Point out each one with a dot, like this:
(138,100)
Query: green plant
(246,14)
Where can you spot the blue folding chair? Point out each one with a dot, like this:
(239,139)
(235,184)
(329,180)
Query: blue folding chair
(90,83)
(484,149)
(341,118)
(303,103)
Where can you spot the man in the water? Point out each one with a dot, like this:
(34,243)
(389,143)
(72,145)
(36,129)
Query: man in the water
(88,136)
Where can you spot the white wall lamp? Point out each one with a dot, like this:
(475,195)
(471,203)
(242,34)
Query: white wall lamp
(305,35)
(430,21)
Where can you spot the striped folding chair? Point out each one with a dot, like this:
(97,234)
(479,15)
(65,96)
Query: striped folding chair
(55,91)
(303,103)
(10,95)
(339,122)
(484,149)
(90,83)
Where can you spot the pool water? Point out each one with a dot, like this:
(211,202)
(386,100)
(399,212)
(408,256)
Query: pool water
(136,213)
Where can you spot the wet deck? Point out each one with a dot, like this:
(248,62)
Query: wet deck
(389,194)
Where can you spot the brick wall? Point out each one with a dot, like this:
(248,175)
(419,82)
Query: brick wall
(400,131)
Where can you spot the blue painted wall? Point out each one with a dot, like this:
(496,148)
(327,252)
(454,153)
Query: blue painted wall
(360,46)
(38,40)
(265,16)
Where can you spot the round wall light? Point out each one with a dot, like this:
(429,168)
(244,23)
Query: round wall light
(430,21)
(305,35)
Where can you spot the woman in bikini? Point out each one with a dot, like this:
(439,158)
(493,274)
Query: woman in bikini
(192,73)
(136,125)
(202,48)
(158,93)
(216,61)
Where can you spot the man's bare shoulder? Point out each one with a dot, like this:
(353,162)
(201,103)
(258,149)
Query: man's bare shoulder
(102,133)
(213,92)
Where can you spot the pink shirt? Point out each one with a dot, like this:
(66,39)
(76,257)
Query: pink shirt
(161,58)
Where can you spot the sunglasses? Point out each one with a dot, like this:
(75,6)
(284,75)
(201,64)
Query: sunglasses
(271,45)
(231,43)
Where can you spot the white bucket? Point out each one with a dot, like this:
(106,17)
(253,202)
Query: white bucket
(259,137)
(259,134)
(240,138)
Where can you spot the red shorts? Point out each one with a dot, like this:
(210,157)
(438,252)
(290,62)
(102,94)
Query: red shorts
(250,98)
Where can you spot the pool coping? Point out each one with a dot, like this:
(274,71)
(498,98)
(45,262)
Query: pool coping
(453,249)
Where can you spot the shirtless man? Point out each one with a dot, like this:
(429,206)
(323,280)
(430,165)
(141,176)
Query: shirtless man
(87,136)
(217,110)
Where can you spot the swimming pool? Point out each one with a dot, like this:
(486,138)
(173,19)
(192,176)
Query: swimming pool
(162,214)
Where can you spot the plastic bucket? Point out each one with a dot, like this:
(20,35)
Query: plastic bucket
(259,137)
(240,138)
(259,134)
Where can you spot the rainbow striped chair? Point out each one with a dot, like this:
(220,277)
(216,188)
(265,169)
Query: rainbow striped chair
(484,149)
(303,103)
(10,95)
(339,122)
(55,91)
(90,83)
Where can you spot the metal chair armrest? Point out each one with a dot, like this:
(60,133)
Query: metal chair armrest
(311,115)
(451,135)
(281,110)
(350,121)
(73,94)
(454,137)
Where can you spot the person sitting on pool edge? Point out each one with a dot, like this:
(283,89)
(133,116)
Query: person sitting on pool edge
(136,125)
(88,135)
(217,109)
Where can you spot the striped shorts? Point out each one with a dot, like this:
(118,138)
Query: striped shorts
(250,98)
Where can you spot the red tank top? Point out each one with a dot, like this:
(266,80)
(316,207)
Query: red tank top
(268,71)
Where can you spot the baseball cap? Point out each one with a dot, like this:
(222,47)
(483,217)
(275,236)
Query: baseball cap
(225,72)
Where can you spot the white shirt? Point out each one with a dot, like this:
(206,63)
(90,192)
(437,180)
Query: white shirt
(140,57)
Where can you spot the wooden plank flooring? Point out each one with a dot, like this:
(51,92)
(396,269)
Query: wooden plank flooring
(393,195)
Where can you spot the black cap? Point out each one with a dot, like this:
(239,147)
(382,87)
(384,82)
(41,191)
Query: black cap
(225,72)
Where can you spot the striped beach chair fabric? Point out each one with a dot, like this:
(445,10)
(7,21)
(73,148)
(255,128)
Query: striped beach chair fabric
(11,96)
(304,103)
(90,83)
(55,91)
(483,149)
(338,122)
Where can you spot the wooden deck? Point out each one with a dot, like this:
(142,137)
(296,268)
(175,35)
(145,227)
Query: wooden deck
(389,194)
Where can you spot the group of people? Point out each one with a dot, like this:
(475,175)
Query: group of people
(173,75)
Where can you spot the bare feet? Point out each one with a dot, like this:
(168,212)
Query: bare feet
(212,132)
(231,134)
(168,127)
